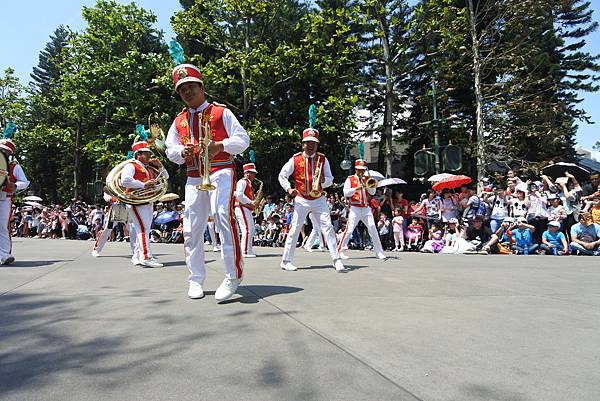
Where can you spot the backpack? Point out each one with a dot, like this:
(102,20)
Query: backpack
(480,210)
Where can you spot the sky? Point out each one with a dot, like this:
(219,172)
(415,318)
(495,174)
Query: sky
(27,25)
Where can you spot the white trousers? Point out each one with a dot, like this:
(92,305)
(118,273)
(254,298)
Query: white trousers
(5,240)
(314,233)
(198,205)
(320,211)
(140,217)
(212,233)
(365,215)
(246,222)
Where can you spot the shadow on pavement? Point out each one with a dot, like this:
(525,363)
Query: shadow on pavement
(251,294)
(35,263)
(349,267)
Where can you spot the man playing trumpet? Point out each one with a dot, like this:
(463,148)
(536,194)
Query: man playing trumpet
(312,173)
(207,132)
(358,188)
(135,176)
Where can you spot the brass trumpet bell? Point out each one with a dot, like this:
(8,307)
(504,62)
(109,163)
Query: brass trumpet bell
(371,183)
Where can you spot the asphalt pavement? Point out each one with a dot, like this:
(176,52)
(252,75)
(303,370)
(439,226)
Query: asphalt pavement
(414,327)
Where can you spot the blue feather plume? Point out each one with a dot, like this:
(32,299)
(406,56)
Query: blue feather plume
(361,150)
(130,155)
(143,134)
(312,116)
(251,156)
(176,52)
(10,130)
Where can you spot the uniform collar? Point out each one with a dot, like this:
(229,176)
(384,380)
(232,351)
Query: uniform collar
(305,155)
(200,108)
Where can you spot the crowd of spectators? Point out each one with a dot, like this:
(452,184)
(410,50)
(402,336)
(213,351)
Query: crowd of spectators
(510,215)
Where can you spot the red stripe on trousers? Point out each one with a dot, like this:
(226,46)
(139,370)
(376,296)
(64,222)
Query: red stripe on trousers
(10,213)
(247,231)
(237,249)
(345,232)
(143,230)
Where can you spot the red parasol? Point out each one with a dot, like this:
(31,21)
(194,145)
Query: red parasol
(452,182)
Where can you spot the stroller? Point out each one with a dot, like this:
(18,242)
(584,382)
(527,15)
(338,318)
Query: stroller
(414,236)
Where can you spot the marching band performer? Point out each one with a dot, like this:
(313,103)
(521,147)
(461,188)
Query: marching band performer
(112,218)
(136,175)
(308,196)
(185,144)
(244,205)
(15,181)
(358,194)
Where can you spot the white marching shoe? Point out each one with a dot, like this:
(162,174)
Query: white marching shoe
(288,266)
(195,291)
(216,248)
(339,266)
(135,261)
(152,262)
(249,255)
(344,256)
(307,248)
(95,254)
(381,256)
(227,288)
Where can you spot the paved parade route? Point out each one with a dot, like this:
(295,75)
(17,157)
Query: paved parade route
(416,327)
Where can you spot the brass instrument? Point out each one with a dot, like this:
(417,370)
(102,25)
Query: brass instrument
(157,134)
(205,185)
(315,191)
(259,200)
(137,196)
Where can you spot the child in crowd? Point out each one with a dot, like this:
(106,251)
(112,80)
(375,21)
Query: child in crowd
(435,244)
(523,238)
(452,233)
(383,227)
(554,242)
(556,211)
(271,229)
(398,228)
(414,233)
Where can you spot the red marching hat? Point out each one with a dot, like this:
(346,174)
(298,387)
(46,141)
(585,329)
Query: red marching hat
(140,146)
(310,134)
(251,167)
(8,144)
(360,164)
(186,73)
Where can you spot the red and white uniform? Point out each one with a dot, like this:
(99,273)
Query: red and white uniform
(244,195)
(16,176)
(302,167)
(134,176)
(198,204)
(359,211)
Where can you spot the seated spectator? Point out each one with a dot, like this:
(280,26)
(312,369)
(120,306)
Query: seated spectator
(475,237)
(271,230)
(502,238)
(452,233)
(435,244)
(585,236)
(554,242)
(523,238)
(595,209)
(414,233)
(556,211)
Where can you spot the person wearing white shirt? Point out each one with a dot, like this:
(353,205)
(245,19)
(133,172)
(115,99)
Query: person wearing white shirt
(186,143)
(360,210)
(15,181)
(136,175)
(244,205)
(304,166)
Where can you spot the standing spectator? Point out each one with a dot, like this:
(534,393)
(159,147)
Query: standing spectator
(269,208)
(595,210)
(556,211)
(398,228)
(519,203)
(537,212)
(585,236)
(499,203)
(473,207)
(592,186)
(568,194)
(449,206)
(383,227)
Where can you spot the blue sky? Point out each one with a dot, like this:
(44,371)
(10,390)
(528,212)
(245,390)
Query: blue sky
(27,25)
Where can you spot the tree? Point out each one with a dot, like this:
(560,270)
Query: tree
(46,73)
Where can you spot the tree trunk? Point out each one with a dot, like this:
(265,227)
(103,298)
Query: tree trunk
(243,72)
(388,123)
(77,160)
(478,96)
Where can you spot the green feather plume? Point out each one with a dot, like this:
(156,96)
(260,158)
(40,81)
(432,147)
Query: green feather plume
(312,116)
(251,156)
(176,52)
(361,150)
(142,133)
(10,130)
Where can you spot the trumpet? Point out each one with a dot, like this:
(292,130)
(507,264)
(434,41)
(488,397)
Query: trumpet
(315,191)
(205,185)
